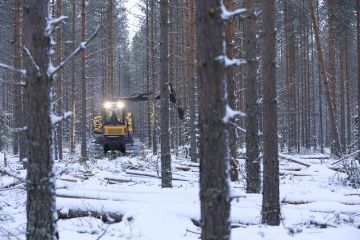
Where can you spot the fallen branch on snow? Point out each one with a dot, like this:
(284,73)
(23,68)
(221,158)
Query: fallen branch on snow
(290,159)
(106,217)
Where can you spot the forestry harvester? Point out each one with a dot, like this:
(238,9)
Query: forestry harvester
(114,128)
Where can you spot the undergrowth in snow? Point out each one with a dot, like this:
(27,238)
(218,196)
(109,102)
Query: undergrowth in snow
(315,202)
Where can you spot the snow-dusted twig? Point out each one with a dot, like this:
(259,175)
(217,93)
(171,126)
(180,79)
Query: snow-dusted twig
(17,130)
(83,45)
(231,62)
(21,84)
(22,71)
(57,119)
(52,23)
(238,127)
(347,156)
(226,14)
(230,114)
(32,60)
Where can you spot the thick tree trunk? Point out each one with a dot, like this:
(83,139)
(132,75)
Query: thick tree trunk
(83,131)
(252,111)
(40,206)
(111,85)
(335,143)
(271,202)
(166,175)
(214,163)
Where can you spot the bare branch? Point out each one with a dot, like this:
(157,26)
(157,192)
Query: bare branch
(226,14)
(4,172)
(82,46)
(22,71)
(28,53)
(52,23)
(21,84)
(57,119)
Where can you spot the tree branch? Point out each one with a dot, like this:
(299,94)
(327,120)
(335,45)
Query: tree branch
(21,84)
(22,71)
(83,45)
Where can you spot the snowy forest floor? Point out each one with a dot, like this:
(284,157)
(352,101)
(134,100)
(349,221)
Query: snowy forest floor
(315,203)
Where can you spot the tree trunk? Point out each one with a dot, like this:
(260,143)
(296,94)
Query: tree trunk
(166,175)
(270,202)
(334,136)
(83,87)
(252,137)
(230,76)
(192,81)
(73,79)
(59,130)
(40,206)
(111,52)
(358,53)
(214,163)
(153,78)
(17,76)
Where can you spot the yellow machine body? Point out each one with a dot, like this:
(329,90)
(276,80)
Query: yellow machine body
(115,130)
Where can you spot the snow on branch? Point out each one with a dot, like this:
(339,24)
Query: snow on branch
(57,119)
(28,53)
(22,71)
(21,84)
(231,62)
(52,70)
(230,114)
(52,23)
(226,14)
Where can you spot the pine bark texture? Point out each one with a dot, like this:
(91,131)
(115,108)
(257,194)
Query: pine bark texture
(270,202)
(214,162)
(252,138)
(40,206)
(358,46)
(166,176)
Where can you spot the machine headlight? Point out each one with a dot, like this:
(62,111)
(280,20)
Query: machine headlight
(120,104)
(107,105)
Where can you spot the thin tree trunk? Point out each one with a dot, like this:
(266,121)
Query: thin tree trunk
(270,202)
(73,79)
(59,131)
(252,111)
(229,35)
(40,206)
(358,46)
(110,84)
(331,111)
(214,165)
(342,94)
(192,81)
(153,78)
(83,131)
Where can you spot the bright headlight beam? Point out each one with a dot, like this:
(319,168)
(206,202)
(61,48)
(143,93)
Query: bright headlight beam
(107,105)
(120,104)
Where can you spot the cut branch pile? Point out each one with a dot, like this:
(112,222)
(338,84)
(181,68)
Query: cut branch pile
(106,217)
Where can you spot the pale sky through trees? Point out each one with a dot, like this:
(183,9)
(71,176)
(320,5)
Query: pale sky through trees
(133,12)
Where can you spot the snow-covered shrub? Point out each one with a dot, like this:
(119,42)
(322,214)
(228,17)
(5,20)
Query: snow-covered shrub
(352,169)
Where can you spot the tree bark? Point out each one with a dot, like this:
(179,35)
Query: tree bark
(40,206)
(270,202)
(166,175)
(230,76)
(358,48)
(214,163)
(153,78)
(73,80)
(59,130)
(252,137)
(83,131)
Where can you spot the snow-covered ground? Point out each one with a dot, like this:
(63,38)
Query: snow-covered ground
(315,204)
